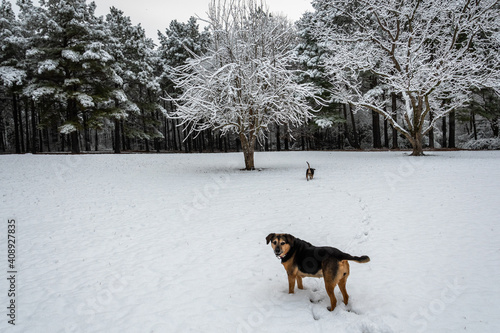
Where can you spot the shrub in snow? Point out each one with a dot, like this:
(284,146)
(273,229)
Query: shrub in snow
(490,143)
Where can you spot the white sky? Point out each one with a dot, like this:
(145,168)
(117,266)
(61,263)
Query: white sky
(154,15)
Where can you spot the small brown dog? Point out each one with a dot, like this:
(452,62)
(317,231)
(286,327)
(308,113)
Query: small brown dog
(301,259)
(309,172)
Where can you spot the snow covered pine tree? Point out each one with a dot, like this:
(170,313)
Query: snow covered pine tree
(72,67)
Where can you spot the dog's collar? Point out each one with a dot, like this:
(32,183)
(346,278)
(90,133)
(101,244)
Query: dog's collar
(288,255)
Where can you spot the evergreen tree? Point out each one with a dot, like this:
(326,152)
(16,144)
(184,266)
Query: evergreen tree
(72,67)
(180,42)
(310,53)
(135,65)
(12,76)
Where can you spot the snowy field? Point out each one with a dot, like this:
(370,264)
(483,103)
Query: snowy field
(176,243)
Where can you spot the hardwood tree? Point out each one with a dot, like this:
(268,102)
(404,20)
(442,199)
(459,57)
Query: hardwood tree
(244,82)
(429,52)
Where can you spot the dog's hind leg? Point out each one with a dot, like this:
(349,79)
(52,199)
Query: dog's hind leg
(330,272)
(342,288)
(343,274)
(330,287)
(299,282)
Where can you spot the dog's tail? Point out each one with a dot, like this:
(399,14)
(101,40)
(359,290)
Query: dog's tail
(361,260)
(308,165)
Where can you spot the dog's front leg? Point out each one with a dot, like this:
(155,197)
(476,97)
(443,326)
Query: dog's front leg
(291,283)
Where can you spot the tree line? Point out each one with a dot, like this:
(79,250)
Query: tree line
(73,81)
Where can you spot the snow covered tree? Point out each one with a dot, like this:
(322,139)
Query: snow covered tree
(72,66)
(432,53)
(11,51)
(12,77)
(244,82)
(486,104)
(181,40)
(135,64)
(177,45)
(311,53)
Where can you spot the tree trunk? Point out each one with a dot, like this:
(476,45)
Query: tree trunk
(278,138)
(178,128)
(33,128)
(16,124)
(2,130)
(125,142)
(73,118)
(166,138)
(96,140)
(451,138)
(117,137)
(417,144)
(357,145)
(394,111)
(48,140)
(27,124)
(431,132)
(443,143)
(63,142)
(377,141)
(174,136)
(86,132)
(248,147)
(494,126)
(386,134)
(474,127)
(75,142)
(144,128)
(346,128)
(386,128)
(21,129)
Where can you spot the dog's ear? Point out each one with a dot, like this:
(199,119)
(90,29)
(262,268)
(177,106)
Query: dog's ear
(289,239)
(269,237)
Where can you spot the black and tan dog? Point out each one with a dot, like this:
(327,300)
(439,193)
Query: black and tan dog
(301,259)
(309,172)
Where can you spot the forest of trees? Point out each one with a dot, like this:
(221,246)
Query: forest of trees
(71,81)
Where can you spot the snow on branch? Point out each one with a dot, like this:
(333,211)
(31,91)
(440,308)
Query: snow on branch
(245,81)
(10,76)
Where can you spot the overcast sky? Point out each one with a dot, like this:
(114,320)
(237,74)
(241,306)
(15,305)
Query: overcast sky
(156,15)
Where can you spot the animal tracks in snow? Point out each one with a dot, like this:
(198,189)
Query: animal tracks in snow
(359,207)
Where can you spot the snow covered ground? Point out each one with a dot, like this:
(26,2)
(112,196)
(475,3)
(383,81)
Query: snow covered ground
(176,243)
